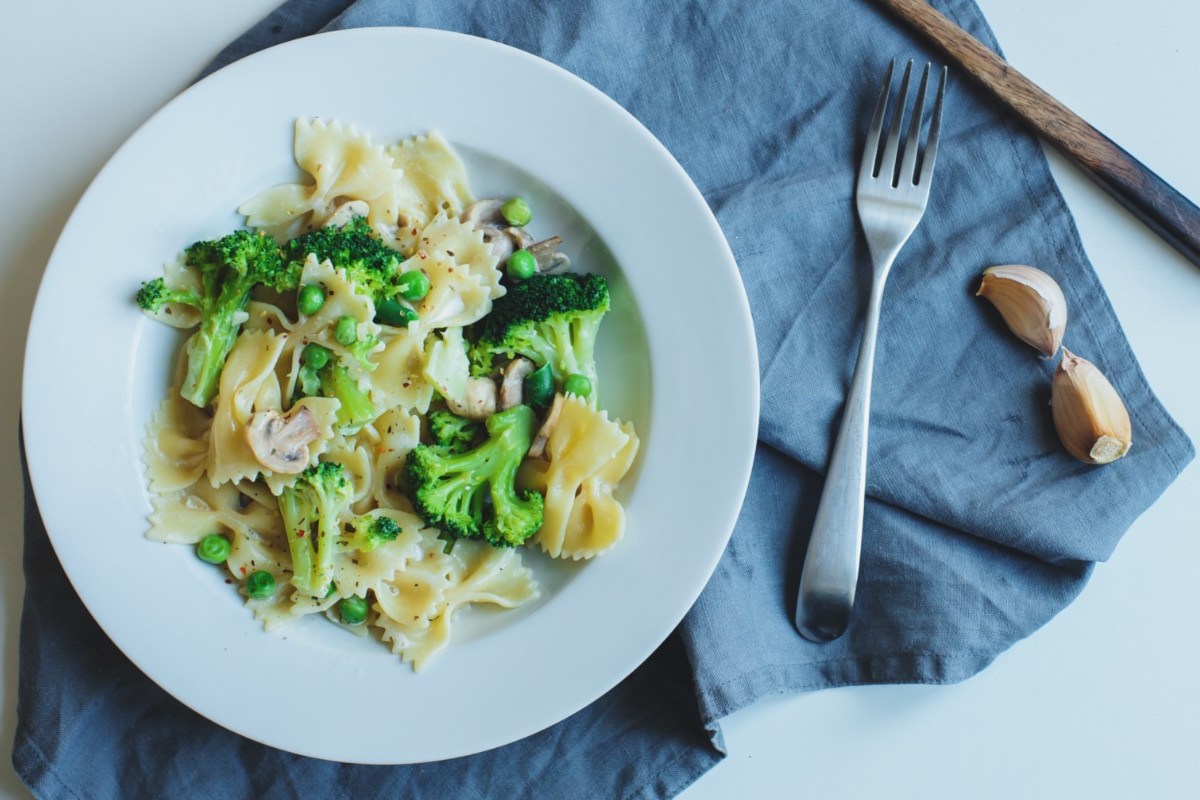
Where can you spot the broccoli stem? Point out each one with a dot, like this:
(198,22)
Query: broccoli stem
(355,409)
(207,350)
(298,537)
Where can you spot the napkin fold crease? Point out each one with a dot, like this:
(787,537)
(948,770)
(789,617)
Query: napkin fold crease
(978,528)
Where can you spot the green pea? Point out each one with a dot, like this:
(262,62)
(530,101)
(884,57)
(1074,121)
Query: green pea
(311,298)
(522,265)
(315,355)
(353,610)
(414,285)
(213,548)
(346,330)
(539,386)
(577,385)
(260,585)
(517,212)
(393,312)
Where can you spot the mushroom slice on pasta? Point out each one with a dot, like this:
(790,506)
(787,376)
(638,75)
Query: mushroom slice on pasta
(582,447)
(248,383)
(343,164)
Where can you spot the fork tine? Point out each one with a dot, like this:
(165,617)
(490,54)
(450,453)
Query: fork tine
(908,168)
(871,149)
(935,128)
(887,164)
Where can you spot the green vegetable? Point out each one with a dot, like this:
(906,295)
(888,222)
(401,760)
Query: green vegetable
(394,313)
(522,265)
(539,386)
(213,548)
(346,330)
(451,491)
(310,507)
(356,409)
(549,319)
(353,610)
(260,585)
(366,533)
(517,212)
(577,385)
(315,355)
(308,382)
(453,433)
(310,299)
(229,268)
(414,285)
(354,247)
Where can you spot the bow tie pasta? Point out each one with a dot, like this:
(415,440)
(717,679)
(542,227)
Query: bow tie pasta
(388,389)
(588,456)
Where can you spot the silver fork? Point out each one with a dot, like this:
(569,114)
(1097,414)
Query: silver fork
(892,192)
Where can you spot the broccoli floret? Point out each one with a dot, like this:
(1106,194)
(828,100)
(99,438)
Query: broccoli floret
(549,319)
(471,495)
(369,262)
(451,432)
(229,268)
(366,533)
(311,506)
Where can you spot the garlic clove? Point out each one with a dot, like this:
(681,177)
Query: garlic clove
(1031,303)
(1088,413)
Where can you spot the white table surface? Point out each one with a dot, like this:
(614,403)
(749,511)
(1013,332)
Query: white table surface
(1102,702)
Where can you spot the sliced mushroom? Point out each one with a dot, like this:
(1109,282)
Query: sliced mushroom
(538,447)
(502,244)
(479,399)
(484,212)
(281,444)
(512,384)
(520,238)
(485,216)
(549,260)
(346,212)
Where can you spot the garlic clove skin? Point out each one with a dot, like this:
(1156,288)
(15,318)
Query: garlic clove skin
(1091,420)
(1031,303)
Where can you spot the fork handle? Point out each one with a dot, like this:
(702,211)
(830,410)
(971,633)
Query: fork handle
(1167,212)
(830,574)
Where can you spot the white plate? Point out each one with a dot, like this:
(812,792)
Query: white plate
(95,368)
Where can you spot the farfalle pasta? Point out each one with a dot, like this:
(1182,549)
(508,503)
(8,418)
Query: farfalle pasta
(388,392)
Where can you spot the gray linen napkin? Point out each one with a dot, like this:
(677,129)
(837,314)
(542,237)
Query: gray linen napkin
(978,529)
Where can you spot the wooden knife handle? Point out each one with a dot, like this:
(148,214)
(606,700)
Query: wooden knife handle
(1171,215)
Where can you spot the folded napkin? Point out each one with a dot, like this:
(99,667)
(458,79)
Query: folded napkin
(979,528)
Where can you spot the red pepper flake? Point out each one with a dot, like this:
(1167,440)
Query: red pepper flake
(300,534)
(242,569)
